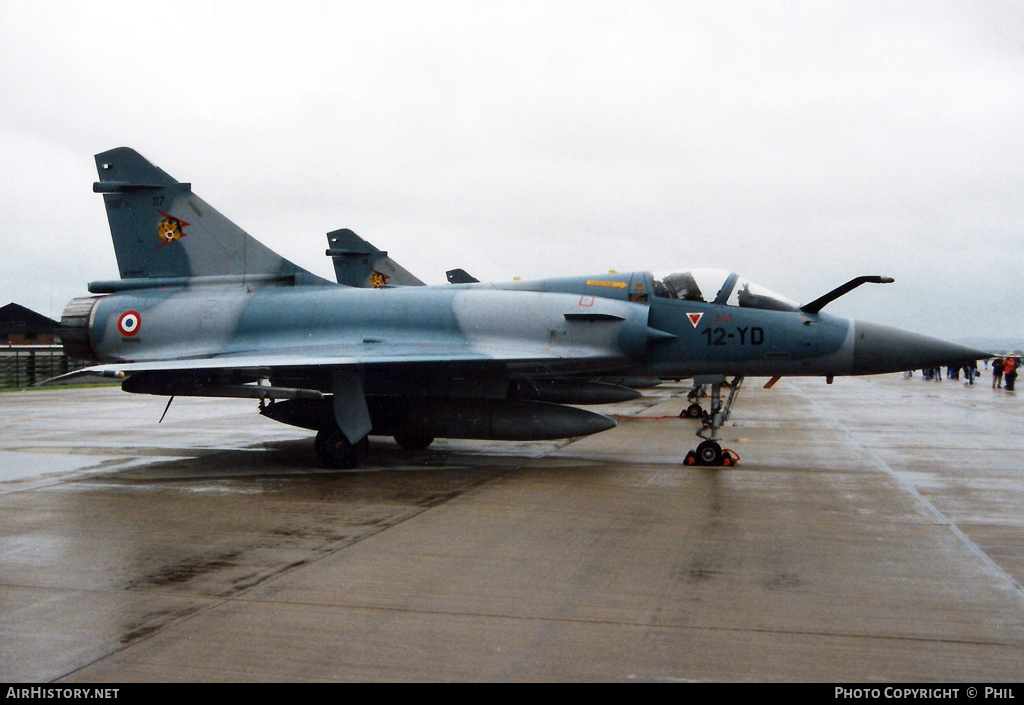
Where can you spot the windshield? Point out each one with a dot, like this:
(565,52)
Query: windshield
(721,287)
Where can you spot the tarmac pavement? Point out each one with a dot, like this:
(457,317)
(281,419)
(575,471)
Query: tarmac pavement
(873,531)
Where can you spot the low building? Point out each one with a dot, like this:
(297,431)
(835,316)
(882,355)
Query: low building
(30,350)
(22,326)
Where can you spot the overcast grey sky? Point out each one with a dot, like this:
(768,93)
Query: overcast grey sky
(798,143)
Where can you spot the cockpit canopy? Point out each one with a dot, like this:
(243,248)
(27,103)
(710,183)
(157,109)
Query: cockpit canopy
(719,287)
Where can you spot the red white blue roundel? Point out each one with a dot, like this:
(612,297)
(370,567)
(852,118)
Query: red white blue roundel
(129,323)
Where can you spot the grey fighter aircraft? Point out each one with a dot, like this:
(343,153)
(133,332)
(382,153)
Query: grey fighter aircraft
(203,309)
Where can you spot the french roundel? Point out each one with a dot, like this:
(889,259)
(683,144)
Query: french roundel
(129,323)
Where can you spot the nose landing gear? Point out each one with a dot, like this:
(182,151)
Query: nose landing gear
(710,451)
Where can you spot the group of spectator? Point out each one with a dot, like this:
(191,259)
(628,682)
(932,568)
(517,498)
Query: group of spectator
(1004,372)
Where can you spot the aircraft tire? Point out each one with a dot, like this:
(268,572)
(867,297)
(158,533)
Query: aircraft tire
(709,453)
(337,453)
(693,411)
(413,440)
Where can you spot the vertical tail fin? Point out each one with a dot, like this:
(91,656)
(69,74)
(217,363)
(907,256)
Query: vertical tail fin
(161,229)
(358,263)
(460,276)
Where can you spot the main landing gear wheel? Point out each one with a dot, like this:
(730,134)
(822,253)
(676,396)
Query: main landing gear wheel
(413,440)
(336,452)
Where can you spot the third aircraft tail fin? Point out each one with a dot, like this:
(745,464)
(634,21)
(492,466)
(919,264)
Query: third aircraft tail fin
(358,263)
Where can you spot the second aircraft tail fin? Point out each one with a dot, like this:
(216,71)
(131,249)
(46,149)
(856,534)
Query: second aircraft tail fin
(358,263)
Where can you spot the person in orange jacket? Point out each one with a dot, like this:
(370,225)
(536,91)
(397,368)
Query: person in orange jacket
(1010,365)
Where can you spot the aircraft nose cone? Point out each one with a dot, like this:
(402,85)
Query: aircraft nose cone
(878,349)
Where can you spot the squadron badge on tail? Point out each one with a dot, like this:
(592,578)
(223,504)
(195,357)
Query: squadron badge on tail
(170,229)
